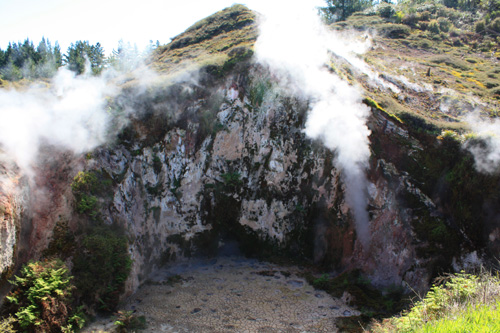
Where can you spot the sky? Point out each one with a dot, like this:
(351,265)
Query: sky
(108,21)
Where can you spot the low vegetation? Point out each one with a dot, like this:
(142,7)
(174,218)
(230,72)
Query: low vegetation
(434,64)
(127,321)
(7,324)
(456,303)
(101,267)
(87,187)
(47,298)
(216,43)
(41,300)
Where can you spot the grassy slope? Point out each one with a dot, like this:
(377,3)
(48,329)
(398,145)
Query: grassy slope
(212,41)
(441,77)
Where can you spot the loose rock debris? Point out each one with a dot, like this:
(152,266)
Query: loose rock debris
(232,294)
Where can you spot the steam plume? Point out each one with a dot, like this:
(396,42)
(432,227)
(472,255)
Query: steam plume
(296,44)
(486,155)
(69,113)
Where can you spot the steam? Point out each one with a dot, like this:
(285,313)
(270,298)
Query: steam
(69,113)
(486,153)
(297,46)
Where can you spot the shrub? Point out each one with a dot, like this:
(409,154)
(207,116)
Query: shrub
(449,134)
(87,204)
(83,186)
(491,84)
(84,182)
(425,44)
(444,24)
(449,13)
(101,267)
(258,92)
(86,187)
(495,25)
(394,30)
(454,32)
(411,20)
(126,320)
(398,17)
(231,179)
(451,61)
(425,16)
(386,10)
(236,56)
(371,301)
(423,25)
(433,27)
(450,3)
(428,7)
(480,27)
(42,298)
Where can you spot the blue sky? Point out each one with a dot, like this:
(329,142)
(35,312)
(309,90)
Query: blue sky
(108,21)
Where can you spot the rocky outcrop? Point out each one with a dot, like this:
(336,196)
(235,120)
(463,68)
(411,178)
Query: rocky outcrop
(253,178)
(219,154)
(9,223)
(31,206)
(241,168)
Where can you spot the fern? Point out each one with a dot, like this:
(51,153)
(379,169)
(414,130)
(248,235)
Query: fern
(41,299)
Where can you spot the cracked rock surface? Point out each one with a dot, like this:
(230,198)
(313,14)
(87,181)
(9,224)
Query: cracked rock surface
(232,294)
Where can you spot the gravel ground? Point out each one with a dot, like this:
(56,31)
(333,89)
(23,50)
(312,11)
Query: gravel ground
(231,294)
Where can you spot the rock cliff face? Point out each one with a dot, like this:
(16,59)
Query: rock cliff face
(220,155)
(9,227)
(226,168)
(231,164)
(31,207)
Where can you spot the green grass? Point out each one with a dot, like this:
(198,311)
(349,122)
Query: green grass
(460,303)
(476,318)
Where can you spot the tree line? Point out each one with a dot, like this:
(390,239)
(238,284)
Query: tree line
(22,60)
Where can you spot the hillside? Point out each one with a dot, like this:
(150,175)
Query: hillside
(440,75)
(209,145)
(220,40)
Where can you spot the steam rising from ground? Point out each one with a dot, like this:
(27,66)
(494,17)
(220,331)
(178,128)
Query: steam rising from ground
(487,154)
(70,113)
(297,46)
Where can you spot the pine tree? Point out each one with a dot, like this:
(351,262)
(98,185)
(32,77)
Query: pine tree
(58,59)
(339,10)
(3,58)
(79,53)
